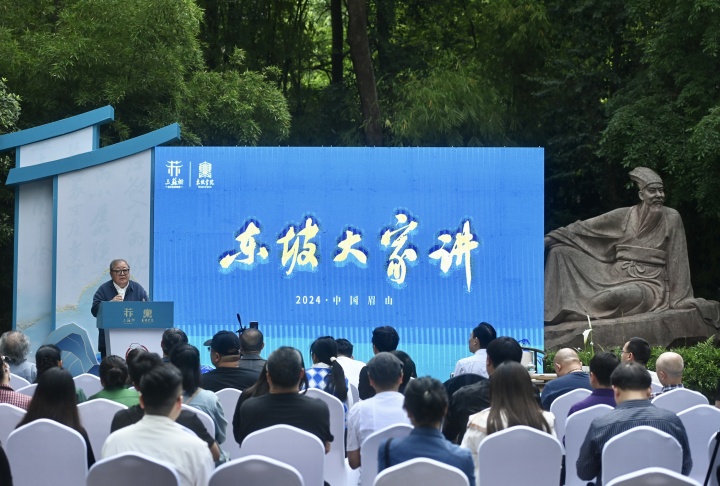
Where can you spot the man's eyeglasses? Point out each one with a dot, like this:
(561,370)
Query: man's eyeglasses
(121,271)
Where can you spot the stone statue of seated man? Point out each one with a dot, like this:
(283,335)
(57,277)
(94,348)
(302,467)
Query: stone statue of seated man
(626,262)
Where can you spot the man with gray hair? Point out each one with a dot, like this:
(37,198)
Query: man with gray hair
(385,372)
(15,346)
(669,367)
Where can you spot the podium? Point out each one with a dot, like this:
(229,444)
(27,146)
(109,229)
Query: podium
(130,325)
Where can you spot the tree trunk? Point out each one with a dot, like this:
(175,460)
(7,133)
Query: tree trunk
(362,65)
(336,54)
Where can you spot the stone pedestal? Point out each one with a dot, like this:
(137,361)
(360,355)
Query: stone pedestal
(674,327)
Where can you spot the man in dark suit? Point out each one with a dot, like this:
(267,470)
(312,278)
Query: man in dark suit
(119,289)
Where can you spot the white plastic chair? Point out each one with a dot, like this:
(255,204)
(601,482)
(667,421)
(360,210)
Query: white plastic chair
(638,448)
(300,449)
(709,448)
(228,399)
(679,399)
(422,470)
(10,416)
(369,450)
(61,451)
(655,387)
(701,422)
(206,419)
(576,429)
(17,381)
(132,468)
(97,416)
(337,469)
(353,395)
(28,390)
(519,455)
(89,383)
(561,406)
(653,476)
(256,470)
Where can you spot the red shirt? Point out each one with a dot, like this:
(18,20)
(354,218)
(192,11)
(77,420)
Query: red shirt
(8,395)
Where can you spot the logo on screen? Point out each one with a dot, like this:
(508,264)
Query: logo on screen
(204,179)
(174,178)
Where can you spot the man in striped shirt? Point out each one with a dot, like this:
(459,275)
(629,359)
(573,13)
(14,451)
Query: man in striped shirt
(631,385)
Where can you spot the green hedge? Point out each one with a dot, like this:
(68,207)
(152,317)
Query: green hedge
(702,365)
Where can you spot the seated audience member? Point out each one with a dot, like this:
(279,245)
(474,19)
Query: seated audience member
(5,475)
(512,402)
(638,350)
(384,339)
(7,394)
(474,398)
(251,344)
(113,376)
(157,435)
(426,404)
(480,337)
(55,399)
(284,404)
(384,409)
(326,373)
(224,355)
(669,367)
(187,359)
(631,385)
(601,367)
(260,388)
(49,356)
(171,338)
(350,365)
(570,376)
(409,369)
(16,346)
(138,366)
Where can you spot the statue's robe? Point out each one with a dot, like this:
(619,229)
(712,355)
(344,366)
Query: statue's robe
(615,265)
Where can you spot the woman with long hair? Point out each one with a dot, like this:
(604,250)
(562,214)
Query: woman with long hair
(114,376)
(326,373)
(512,402)
(409,369)
(50,356)
(187,358)
(55,399)
(426,404)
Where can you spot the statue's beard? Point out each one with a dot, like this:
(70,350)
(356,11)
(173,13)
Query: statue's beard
(650,217)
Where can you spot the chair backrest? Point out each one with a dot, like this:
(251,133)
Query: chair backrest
(28,390)
(10,416)
(638,448)
(653,476)
(576,429)
(134,468)
(519,455)
(354,394)
(679,399)
(655,387)
(335,468)
(256,469)
(18,381)
(709,449)
(228,399)
(701,422)
(46,452)
(89,383)
(206,419)
(369,448)
(421,470)
(561,406)
(96,416)
(300,449)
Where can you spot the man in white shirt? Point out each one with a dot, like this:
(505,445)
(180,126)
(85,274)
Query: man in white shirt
(384,409)
(157,435)
(480,337)
(350,365)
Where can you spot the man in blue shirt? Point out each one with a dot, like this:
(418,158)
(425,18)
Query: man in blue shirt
(631,385)
(570,376)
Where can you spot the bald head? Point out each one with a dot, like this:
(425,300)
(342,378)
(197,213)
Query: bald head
(566,360)
(669,367)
